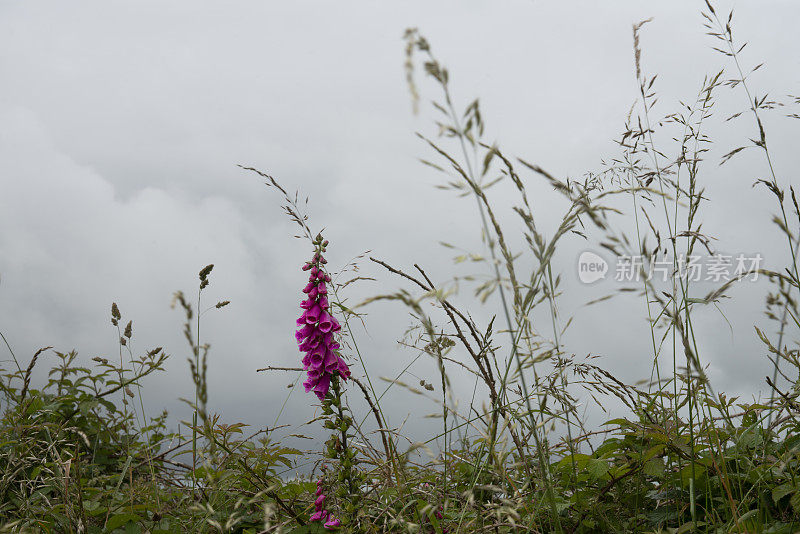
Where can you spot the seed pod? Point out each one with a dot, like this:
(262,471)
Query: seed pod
(205,271)
(115,315)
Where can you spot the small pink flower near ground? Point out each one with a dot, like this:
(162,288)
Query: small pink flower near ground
(320,513)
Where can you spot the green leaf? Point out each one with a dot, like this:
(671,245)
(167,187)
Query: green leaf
(685,474)
(596,468)
(90,506)
(120,520)
(689,527)
(779,492)
(654,467)
(619,422)
(579,459)
(309,528)
(795,502)
(746,516)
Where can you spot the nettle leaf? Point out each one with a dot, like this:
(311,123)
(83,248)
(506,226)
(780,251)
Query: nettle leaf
(654,467)
(652,452)
(88,405)
(562,504)
(597,468)
(580,460)
(609,446)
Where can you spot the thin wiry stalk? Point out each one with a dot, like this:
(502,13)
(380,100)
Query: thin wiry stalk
(484,209)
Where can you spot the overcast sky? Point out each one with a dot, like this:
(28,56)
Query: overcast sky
(122,124)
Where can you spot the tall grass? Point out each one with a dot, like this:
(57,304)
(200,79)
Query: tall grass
(79,453)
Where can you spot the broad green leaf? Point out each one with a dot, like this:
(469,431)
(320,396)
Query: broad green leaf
(653,467)
(596,468)
(779,492)
(121,519)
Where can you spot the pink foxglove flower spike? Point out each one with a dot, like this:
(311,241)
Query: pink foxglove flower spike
(315,335)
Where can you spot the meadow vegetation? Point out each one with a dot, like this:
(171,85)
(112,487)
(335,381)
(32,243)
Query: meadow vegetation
(79,453)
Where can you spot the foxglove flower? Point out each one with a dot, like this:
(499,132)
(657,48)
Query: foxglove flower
(332,523)
(316,329)
(320,513)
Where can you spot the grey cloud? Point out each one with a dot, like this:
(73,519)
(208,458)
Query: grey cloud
(121,128)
